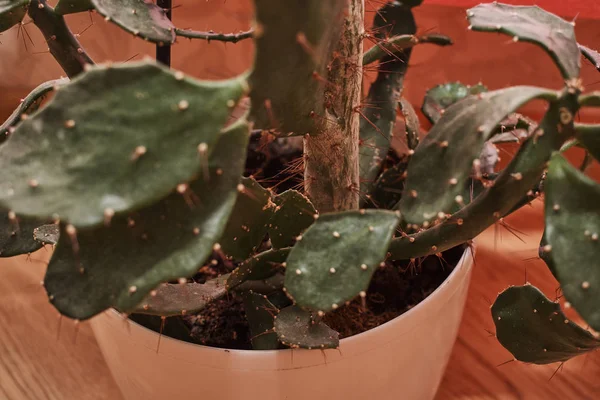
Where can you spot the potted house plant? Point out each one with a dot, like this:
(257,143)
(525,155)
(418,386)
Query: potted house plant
(140,169)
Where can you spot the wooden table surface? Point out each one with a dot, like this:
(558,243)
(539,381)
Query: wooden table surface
(42,358)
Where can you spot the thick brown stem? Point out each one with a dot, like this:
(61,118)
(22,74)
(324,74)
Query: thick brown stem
(331,175)
(61,42)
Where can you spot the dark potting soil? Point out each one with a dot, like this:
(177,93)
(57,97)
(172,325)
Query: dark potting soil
(396,287)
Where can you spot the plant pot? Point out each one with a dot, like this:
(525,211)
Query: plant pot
(403,358)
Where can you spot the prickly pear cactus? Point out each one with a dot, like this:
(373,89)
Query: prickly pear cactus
(293,40)
(164,241)
(531,24)
(114,140)
(535,330)
(142,18)
(334,260)
(377,124)
(298,328)
(573,236)
(445,158)
(134,172)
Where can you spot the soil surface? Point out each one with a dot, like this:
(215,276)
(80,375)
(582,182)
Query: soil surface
(396,287)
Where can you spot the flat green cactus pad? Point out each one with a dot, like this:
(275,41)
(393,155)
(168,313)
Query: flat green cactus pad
(65,7)
(510,189)
(591,55)
(412,126)
(117,266)
(589,137)
(379,116)
(143,18)
(590,100)
(440,97)
(294,213)
(296,327)
(16,235)
(261,266)
(179,299)
(446,157)
(337,257)
(260,313)
(264,286)
(29,103)
(292,50)
(115,139)
(12,13)
(573,233)
(531,24)
(247,226)
(535,330)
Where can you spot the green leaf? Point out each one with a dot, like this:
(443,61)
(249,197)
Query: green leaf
(247,226)
(299,329)
(589,137)
(261,266)
(531,24)
(293,45)
(179,299)
(12,13)
(29,103)
(535,330)
(65,7)
(440,97)
(143,18)
(445,158)
(260,313)
(113,140)
(294,213)
(337,257)
(117,266)
(572,211)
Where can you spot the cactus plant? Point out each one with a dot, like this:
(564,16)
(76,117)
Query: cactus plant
(141,167)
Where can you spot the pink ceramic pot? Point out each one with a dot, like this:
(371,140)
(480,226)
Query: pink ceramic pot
(402,359)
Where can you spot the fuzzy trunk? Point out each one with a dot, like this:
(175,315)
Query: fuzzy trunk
(331,175)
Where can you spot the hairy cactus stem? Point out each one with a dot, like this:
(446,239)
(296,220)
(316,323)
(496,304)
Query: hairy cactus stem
(63,45)
(331,175)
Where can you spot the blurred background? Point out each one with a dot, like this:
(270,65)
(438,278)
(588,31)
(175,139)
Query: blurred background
(41,358)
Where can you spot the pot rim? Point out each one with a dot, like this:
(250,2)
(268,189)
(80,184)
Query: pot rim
(460,266)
